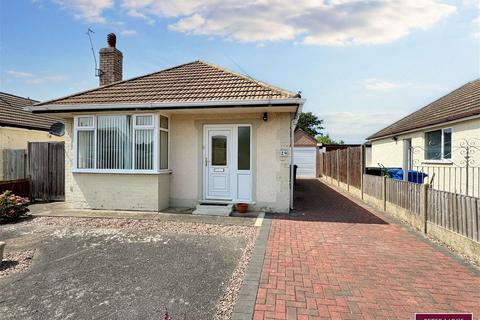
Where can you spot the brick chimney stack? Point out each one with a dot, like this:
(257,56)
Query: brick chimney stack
(111,62)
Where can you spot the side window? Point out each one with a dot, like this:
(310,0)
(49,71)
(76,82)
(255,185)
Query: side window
(433,145)
(243,148)
(438,144)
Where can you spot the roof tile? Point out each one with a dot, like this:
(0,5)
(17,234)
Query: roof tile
(192,82)
(460,103)
(12,113)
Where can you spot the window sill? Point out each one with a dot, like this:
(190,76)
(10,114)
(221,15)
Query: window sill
(140,172)
(444,162)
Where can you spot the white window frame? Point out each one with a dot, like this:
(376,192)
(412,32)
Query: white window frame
(442,146)
(167,130)
(153,127)
(156,137)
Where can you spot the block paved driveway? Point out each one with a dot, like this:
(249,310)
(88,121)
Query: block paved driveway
(337,260)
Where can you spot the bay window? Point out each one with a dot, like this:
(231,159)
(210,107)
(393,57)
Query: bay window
(121,143)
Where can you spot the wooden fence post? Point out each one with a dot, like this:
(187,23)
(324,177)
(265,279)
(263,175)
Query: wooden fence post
(337,153)
(424,206)
(384,192)
(348,169)
(362,167)
(331,163)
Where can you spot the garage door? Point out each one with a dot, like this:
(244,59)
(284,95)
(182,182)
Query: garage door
(306,160)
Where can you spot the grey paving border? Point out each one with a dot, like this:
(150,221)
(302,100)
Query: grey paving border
(245,304)
(417,234)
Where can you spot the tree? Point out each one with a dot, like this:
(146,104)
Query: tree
(325,139)
(310,123)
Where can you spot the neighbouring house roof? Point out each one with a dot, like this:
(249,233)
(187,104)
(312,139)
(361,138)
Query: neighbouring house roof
(196,81)
(303,139)
(461,103)
(12,113)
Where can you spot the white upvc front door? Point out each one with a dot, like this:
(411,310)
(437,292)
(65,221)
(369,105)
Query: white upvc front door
(227,163)
(219,163)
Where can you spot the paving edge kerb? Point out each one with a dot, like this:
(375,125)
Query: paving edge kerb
(245,304)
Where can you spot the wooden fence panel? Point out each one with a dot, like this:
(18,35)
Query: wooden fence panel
(47,170)
(455,212)
(373,185)
(343,166)
(355,166)
(404,194)
(14,164)
(20,187)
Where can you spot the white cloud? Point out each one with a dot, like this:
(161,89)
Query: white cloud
(476,24)
(31,78)
(354,127)
(19,74)
(128,33)
(471,3)
(88,10)
(380,85)
(316,22)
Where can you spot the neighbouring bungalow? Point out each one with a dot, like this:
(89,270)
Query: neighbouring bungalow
(19,126)
(435,139)
(174,138)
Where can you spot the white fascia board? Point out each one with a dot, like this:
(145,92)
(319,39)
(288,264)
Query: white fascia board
(163,105)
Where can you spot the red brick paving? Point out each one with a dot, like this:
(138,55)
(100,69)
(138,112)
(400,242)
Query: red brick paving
(339,261)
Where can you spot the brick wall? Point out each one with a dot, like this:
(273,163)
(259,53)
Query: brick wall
(111,65)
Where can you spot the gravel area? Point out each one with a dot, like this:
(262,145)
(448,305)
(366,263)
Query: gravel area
(68,227)
(146,225)
(15,261)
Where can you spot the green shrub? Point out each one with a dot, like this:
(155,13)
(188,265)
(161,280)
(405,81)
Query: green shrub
(12,207)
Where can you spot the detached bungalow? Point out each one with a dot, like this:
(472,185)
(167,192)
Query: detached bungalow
(435,140)
(192,133)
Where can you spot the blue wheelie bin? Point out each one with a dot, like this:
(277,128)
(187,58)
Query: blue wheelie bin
(413,175)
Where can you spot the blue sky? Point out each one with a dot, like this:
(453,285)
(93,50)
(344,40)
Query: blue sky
(360,64)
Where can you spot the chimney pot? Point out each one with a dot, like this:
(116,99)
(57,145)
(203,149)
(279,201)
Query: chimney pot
(112,40)
(111,62)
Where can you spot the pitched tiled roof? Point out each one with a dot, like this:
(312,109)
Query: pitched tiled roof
(303,139)
(196,81)
(460,103)
(13,114)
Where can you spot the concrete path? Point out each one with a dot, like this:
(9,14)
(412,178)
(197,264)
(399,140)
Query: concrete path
(337,260)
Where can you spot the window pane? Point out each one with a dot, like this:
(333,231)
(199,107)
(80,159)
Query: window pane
(144,120)
(433,145)
(219,150)
(163,150)
(114,142)
(447,144)
(144,149)
(86,152)
(163,122)
(85,121)
(244,148)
